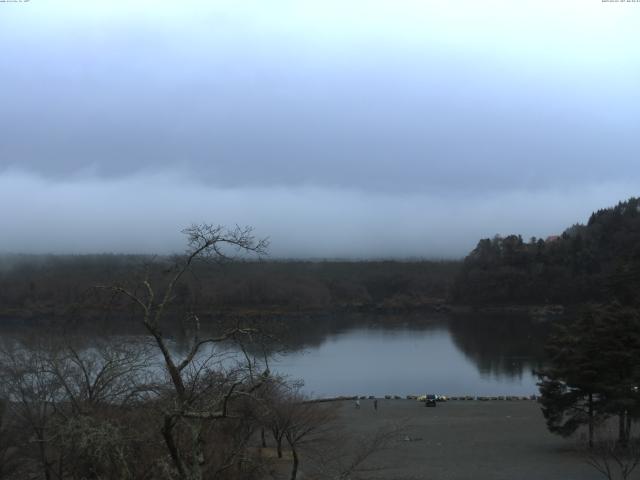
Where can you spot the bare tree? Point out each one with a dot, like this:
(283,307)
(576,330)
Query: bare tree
(8,454)
(107,372)
(32,392)
(202,391)
(79,403)
(312,433)
(613,459)
(273,411)
(340,455)
(366,448)
(306,422)
(61,398)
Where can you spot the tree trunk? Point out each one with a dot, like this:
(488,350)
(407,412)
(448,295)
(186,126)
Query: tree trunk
(46,466)
(294,469)
(622,433)
(167,434)
(197,462)
(591,420)
(279,446)
(262,436)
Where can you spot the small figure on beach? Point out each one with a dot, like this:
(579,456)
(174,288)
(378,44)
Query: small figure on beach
(375,404)
(357,403)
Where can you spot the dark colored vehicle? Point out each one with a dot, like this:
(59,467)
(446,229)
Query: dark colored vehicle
(430,400)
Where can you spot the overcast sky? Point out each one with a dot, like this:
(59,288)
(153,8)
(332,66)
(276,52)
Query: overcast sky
(351,128)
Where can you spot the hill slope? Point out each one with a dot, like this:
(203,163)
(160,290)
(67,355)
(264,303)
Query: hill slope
(594,262)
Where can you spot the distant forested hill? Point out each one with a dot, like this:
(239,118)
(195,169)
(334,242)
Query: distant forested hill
(593,262)
(46,286)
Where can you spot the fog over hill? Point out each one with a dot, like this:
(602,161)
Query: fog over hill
(144,214)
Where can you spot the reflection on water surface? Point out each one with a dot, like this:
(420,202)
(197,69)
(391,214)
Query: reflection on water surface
(475,356)
(396,355)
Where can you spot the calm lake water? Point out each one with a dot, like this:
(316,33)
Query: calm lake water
(453,357)
(401,355)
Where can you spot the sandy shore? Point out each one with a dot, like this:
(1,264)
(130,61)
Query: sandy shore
(461,440)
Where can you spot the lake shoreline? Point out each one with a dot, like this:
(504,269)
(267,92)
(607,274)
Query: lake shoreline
(78,315)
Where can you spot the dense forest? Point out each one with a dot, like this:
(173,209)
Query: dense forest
(596,262)
(54,286)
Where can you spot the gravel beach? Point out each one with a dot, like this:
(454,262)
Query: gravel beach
(460,440)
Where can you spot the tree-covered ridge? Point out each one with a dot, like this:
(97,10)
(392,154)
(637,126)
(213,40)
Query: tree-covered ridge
(48,286)
(594,262)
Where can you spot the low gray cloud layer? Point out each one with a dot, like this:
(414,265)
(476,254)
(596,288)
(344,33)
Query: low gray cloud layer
(145,214)
(411,130)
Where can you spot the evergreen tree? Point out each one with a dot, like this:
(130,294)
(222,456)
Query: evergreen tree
(617,331)
(593,372)
(569,386)
(596,262)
